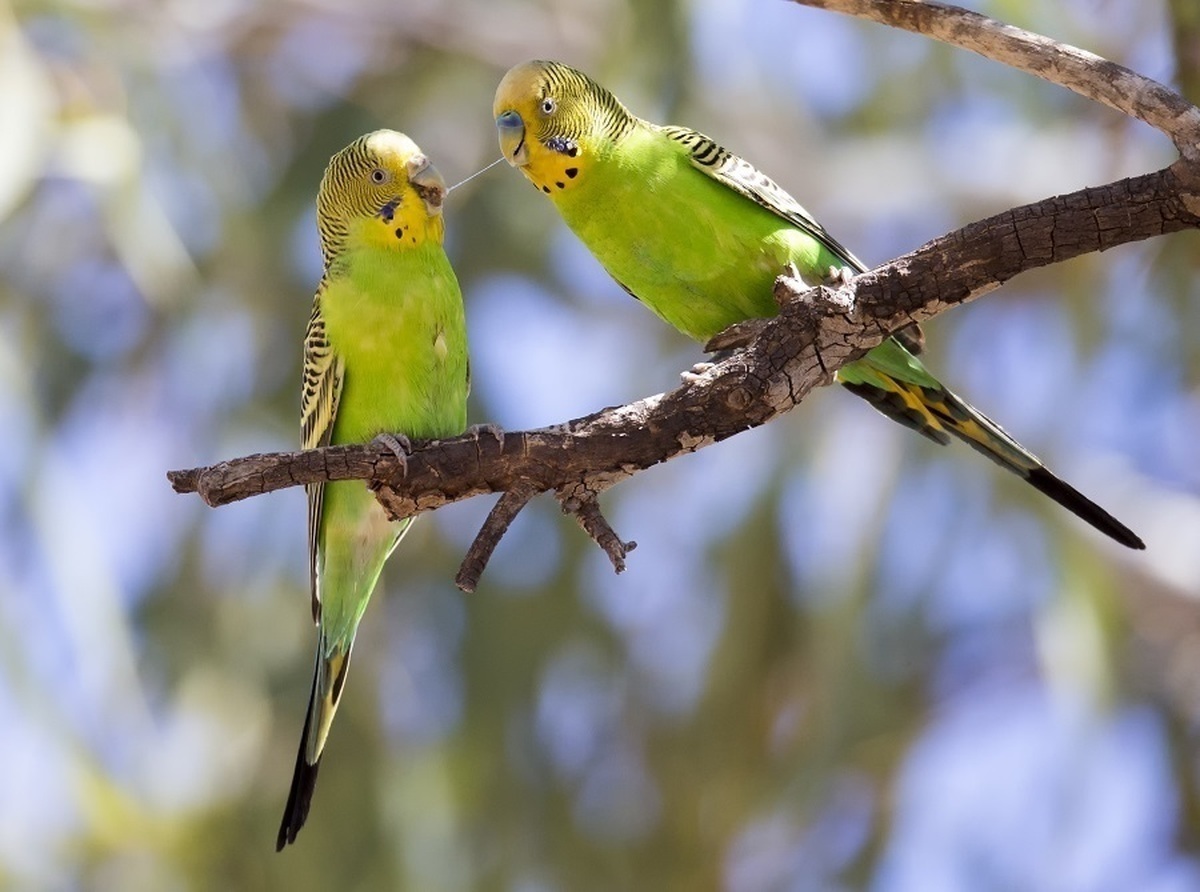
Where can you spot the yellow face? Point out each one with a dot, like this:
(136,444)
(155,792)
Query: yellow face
(381,191)
(544,123)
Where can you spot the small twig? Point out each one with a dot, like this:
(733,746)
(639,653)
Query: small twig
(584,504)
(498,521)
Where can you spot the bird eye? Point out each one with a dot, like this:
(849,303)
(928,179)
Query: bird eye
(379,175)
(548,105)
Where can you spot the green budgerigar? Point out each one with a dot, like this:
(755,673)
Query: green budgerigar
(385,354)
(698,235)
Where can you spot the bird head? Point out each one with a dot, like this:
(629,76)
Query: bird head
(552,119)
(383,189)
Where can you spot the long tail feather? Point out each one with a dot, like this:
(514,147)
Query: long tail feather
(936,412)
(304,780)
(329,678)
(1079,504)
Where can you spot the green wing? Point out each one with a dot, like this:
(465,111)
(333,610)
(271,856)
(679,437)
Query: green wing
(742,177)
(324,372)
(738,174)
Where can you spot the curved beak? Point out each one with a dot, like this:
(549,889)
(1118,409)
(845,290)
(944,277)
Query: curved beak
(428,183)
(512,138)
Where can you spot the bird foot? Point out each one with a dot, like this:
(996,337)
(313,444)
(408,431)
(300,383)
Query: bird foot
(400,447)
(911,338)
(692,375)
(491,430)
(838,275)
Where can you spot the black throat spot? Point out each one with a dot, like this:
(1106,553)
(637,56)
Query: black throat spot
(563,146)
(388,211)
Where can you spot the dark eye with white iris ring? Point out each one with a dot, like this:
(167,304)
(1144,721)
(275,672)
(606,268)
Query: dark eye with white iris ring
(548,105)
(378,175)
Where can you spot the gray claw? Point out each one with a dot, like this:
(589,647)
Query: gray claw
(692,375)
(838,275)
(399,445)
(492,430)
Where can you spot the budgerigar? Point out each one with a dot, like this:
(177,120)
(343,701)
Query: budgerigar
(698,235)
(385,354)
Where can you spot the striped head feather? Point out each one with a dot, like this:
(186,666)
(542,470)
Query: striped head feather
(382,191)
(553,119)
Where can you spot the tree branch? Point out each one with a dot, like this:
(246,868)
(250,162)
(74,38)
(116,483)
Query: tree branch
(816,332)
(783,358)
(498,521)
(1078,70)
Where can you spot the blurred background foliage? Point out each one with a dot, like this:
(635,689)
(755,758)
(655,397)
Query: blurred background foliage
(841,658)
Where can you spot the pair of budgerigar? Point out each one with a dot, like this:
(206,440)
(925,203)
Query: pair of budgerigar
(687,227)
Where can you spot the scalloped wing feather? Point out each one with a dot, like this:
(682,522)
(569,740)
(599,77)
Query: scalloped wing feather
(715,161)
(324,373)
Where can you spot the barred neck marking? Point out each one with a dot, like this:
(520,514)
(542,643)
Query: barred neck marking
(596,110)
(337,199)
(589,115)
(613,120)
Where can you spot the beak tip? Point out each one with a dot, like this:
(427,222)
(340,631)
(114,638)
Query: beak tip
(429,184)
(511,130)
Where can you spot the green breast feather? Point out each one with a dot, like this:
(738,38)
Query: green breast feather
(397,323)
(693,250)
